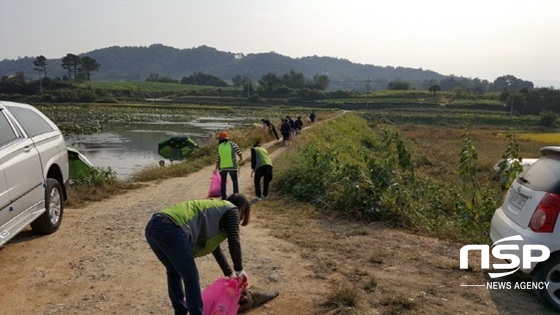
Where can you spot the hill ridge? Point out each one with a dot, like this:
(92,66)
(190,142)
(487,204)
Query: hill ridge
(136,63)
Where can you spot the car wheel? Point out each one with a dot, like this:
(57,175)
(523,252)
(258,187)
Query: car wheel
(549,271)
(50,221)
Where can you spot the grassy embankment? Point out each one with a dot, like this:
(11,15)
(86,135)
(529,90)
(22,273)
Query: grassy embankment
(436,181)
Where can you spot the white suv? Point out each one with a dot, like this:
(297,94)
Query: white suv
(33,171)
(530,214)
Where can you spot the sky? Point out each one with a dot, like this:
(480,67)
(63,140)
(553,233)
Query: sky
(482,39)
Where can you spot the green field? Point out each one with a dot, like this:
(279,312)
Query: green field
(143,86)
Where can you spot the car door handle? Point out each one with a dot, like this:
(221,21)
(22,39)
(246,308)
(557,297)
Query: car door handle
(27,148)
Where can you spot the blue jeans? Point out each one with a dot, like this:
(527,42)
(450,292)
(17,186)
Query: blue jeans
(223,176)
(172,247)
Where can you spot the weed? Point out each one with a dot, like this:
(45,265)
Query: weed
(397,304)
(95,177)
(370,285)
(358,232)
(473,296)
(378,257)
(506,171)
(342,299)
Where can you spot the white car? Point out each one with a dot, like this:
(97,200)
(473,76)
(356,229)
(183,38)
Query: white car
(530,210)
(33,171)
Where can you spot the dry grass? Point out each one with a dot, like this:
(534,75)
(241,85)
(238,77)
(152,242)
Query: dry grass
(398,304)
(437,149)
(344,253)
(79,196)
(343,299)
(544,138)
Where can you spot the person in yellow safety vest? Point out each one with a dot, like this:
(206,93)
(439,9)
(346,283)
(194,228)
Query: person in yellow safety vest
(195,228)
(261,164)
(226,162)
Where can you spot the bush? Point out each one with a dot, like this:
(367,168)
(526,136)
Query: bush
(96,176)
(548,119)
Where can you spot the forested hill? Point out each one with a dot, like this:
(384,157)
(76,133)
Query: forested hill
(137,63)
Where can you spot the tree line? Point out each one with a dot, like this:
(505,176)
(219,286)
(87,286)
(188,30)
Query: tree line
(476,86)
(78,68)
(270,85)
(518,95)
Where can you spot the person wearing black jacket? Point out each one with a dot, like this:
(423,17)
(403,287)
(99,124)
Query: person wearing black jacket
(298,125)
(292,125)
(285,130)
(270,127)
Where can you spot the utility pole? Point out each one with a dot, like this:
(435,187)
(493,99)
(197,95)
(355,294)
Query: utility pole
(368,81)
(248,81)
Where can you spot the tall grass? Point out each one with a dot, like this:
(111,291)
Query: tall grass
(351,169)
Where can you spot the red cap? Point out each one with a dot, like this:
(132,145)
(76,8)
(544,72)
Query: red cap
(223,135)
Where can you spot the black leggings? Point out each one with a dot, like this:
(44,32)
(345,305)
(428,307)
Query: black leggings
(266,172)
(272,129)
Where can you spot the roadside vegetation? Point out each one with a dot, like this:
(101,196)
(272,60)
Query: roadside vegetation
(436,182)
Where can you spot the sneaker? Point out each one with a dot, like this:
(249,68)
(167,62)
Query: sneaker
(256,199)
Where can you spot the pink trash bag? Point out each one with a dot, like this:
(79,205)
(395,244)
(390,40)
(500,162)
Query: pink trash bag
(215,190)
(222,297)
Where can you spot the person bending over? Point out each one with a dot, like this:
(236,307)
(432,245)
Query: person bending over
(180,233)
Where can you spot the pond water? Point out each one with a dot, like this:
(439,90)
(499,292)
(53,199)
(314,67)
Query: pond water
(129,147)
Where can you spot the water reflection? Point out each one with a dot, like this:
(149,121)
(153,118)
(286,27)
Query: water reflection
(127,148)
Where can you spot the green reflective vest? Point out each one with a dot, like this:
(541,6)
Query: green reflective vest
(200,219)
(227,156)
(261,157)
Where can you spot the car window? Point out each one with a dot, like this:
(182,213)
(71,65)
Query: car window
(31,122)
(543,175)
(7,134)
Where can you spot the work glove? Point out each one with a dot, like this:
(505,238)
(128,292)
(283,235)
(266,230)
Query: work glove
(242,278)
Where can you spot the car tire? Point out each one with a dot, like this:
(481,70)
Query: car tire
(50,221)
(549,271)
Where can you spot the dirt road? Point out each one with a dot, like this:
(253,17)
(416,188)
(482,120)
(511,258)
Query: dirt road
(99,262)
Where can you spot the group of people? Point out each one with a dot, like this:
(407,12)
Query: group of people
(180,233)
(226,163)
(288,126)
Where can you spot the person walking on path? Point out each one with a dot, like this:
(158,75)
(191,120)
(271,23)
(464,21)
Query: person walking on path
(312,117)
(180,233)
(285,130)
(270,127)
(292,125)
(298,125)
(261,165)
(226,162)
